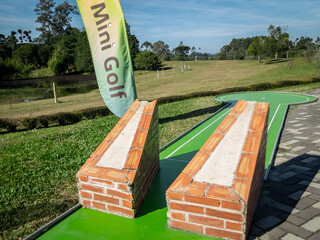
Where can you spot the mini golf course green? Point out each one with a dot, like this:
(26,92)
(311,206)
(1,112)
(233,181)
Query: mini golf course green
(151,222)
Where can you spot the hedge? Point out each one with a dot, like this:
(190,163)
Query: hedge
(64,118)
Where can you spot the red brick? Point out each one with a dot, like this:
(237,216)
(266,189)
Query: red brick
(94,171)
(174,196)
(123,187)
(212,143)
(202,200)
(145,122)
(234,226)
(139,139)
(127,116)
(186,207)
(196,188)
(187,226)
(239,107)
(83,178)
(131,175)
(206,221)
(123,211)
(119,194)
(91,188)
(223,234)
(247,165)
(262,107)
(127,204)
(258,122)
(142,120)
(114,175)
(181,181)
(224,215)
(196,164)
(151,107)
(97,180)
(133,159)
(106,199)
(242,187)
(87,163)
(178,216)
(100,206)
(85,194)
(252,143)
(222,192)
(226,124)
(86,203)
(135,105)
(115,132)
(98,153)
(232,205)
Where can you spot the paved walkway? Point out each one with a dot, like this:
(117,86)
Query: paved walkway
(289,207)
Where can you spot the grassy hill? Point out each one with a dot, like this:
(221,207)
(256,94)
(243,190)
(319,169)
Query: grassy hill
(197,76)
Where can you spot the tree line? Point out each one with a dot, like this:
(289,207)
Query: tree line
(65,49)
(274,45)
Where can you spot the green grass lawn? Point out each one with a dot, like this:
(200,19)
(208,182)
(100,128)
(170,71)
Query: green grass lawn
(203,76)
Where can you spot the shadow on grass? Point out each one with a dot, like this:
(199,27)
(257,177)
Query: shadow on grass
(274,61)
(195,113)
(18,217)
(282,193)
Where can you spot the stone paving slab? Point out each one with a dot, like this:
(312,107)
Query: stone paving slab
(289,207)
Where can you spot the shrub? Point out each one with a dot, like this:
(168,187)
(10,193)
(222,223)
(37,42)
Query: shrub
(9,124)
(29,122)
(44,121)
(68,118)
(147,60)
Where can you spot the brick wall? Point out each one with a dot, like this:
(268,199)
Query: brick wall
(121,191)
(217,210)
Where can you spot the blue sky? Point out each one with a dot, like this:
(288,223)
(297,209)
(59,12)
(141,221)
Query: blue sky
(208,24)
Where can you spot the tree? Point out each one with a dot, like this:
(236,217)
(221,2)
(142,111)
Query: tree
(269,47)
(147,60)
(303,43)
(281,38)
(7,45)
(133,44)
(63,56)
(255,48)
(53,21)
(27,54)
(317,60)
(61,17)
(83,58)
(147,45)
(25,36)
(45,53)
(181,52)
(133,47)
(162,50)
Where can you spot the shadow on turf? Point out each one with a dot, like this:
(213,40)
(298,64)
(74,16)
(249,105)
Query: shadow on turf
(283,194)
(195,113)
(169,171)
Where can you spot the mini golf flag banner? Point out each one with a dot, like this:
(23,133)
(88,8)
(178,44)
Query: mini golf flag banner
(106,30)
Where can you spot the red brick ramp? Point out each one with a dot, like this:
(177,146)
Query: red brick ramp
(217,192)
(117,176)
